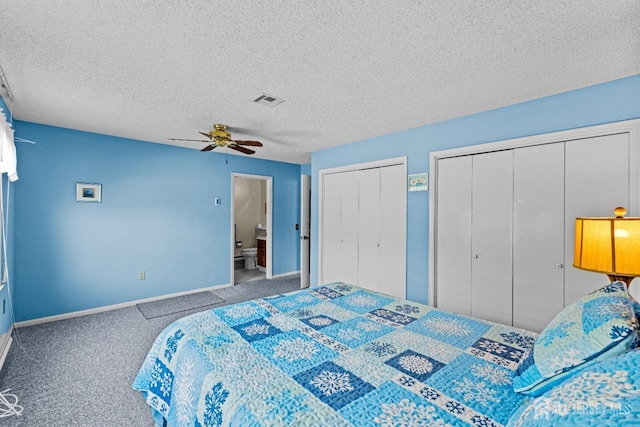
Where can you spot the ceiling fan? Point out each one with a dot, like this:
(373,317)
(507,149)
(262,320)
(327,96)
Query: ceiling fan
(221,137)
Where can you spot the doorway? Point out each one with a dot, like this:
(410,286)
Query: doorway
(251,228)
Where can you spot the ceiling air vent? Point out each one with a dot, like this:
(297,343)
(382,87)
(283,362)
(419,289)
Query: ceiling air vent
(268,100)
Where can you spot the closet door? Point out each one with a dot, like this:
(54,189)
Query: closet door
(491,236)
(453,235)
(597,181)
(369,229)
(331,231)
(340,228)
(538,235)
(392,272)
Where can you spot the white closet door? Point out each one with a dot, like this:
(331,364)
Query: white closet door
(369,230)
(349,227)
(331,229)
(453,235)
(393,231)
(340,228)
(538,235)
(597,181)
(491,238)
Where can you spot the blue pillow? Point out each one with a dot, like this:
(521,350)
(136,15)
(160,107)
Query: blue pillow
(597,327)
(604,394)
(636,308)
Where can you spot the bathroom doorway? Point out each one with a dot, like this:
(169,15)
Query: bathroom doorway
(251,224)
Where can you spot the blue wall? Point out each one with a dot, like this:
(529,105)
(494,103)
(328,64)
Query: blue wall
(5,298)
(604,103)
(157,214)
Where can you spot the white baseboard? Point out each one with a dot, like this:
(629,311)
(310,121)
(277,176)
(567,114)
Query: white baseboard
(111,307)
(5,345)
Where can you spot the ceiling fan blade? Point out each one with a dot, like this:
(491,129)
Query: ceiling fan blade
(209,147)
(250,143)
(205,134)
(194,140)
(241,149)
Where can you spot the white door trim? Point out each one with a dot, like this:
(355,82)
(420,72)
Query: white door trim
(269,181)
(348,168)
(632,127)
(305,232)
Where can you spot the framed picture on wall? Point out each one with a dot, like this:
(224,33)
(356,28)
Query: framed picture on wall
(418,182)
(88,192)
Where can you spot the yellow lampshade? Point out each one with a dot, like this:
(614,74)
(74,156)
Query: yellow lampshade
(608,245)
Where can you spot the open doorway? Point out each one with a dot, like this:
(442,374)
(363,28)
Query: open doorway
(251,227)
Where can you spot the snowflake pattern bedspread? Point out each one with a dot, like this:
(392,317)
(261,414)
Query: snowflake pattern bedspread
(335,355)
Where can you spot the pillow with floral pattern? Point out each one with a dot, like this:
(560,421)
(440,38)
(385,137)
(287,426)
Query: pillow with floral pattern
(598,326)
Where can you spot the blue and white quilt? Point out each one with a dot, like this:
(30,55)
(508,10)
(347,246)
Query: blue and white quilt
(335,355)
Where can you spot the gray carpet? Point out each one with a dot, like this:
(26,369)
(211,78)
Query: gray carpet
(78,372)
(163,307)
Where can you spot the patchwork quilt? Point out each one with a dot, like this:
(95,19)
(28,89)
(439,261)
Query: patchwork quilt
(334,355)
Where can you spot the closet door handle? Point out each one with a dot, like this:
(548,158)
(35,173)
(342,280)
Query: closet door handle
(558,265)
(475,256)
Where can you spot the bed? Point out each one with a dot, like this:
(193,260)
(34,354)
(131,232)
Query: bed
(340,355)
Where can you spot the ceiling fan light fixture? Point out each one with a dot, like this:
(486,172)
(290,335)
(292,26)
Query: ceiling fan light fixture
(221,137)
(220,133)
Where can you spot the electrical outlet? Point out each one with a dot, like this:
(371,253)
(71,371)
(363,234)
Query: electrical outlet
(142,275)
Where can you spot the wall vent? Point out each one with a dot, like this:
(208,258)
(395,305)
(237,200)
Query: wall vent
(268,100)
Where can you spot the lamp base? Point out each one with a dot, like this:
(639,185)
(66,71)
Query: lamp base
(625,279)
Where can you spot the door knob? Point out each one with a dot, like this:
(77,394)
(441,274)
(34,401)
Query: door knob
(476,256)
(558,265)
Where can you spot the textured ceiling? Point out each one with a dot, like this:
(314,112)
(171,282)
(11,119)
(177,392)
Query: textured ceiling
(347,70)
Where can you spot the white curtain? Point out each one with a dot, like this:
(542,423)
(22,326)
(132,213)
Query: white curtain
(8,160)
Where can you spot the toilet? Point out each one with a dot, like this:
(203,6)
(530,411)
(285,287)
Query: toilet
(249,255)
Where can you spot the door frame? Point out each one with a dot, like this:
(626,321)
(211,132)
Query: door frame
(402,161)
(305,231)
(269,183)
(632,127)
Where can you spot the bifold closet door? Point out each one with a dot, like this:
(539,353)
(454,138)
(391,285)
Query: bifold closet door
(538,235)
(597,181)
(340,228)
(369,229)
(392,273)
(491,237)
(382,230)
(453,235)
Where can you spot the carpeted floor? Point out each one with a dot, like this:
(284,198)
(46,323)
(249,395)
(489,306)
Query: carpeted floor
(164,307)
(78,372)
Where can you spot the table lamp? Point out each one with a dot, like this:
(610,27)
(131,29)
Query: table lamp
(609,245)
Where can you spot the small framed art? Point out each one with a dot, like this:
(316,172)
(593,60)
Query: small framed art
(88,192)
(419,182)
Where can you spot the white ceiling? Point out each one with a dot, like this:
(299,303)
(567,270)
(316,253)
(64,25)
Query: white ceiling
(347,70)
